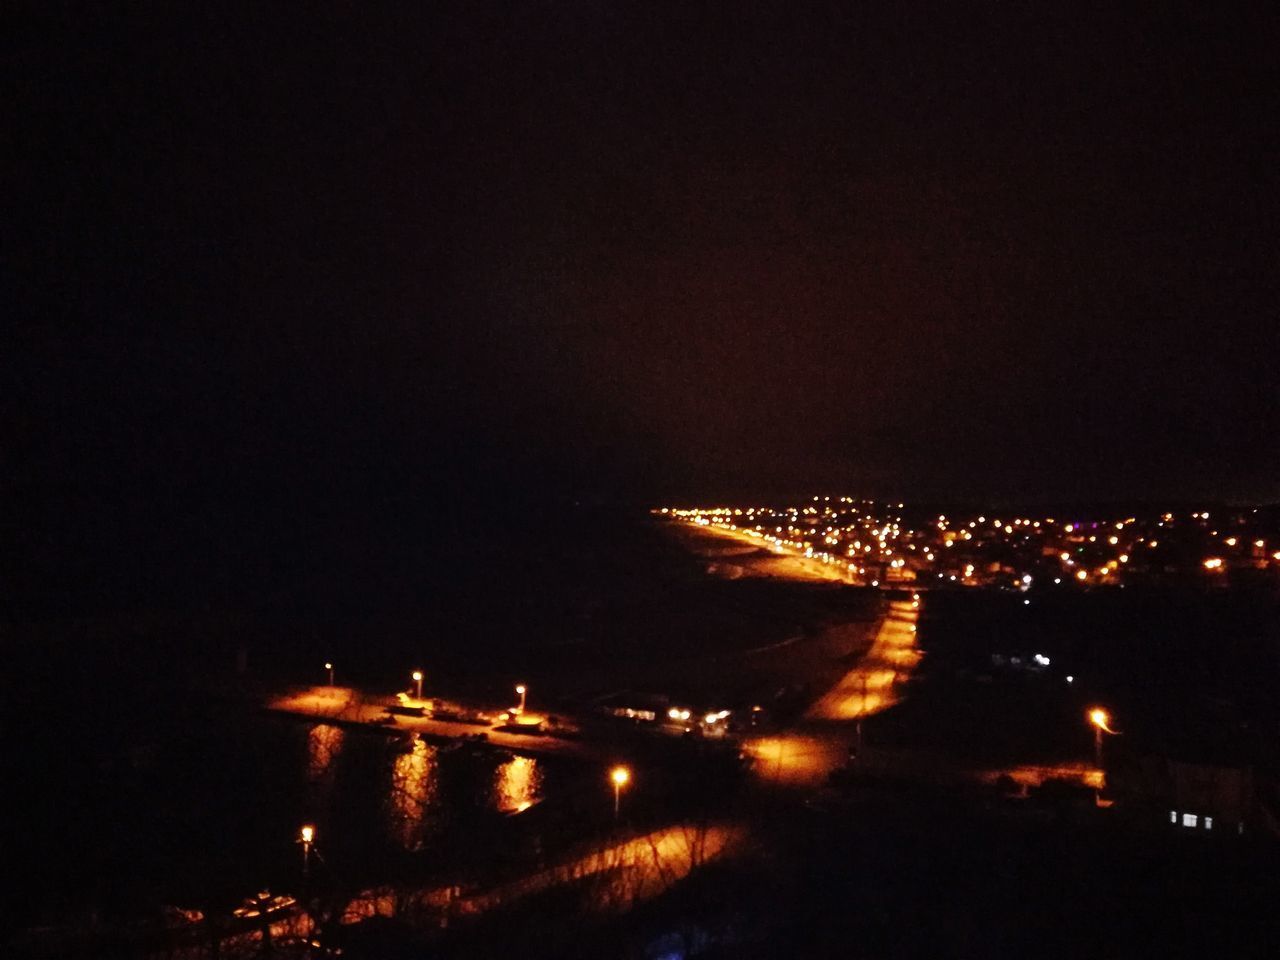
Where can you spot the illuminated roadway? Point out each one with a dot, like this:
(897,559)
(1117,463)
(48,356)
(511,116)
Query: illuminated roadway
(633,869)
(783,562)
(806,755)
(874,684)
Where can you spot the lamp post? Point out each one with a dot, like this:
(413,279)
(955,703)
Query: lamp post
(620,777)
(329,666)
(417,679)
(522,690)
(1101,721)
(305,837)
(1101,724)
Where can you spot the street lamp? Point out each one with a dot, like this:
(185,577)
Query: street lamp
(305,837)
(329,666)
(522,690)
(620,777)
(1101,721)
(417,679)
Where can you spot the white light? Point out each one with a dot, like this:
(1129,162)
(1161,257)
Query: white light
(1189,819)
(1041,659)
(1070,678)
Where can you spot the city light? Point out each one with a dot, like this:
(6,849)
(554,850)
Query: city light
(305,836)
(620,776)
(1100,719)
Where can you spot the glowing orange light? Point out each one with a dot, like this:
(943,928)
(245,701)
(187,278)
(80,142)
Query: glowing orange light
(620,776)
(1100,719)
(308,833)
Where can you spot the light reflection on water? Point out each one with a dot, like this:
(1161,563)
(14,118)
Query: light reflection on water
(414,782)
(517,785)
(411,788)
(324,744)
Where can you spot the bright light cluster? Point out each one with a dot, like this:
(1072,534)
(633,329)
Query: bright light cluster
(875,543)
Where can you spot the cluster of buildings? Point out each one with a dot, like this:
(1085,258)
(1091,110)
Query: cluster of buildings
(664,714)
(865,542)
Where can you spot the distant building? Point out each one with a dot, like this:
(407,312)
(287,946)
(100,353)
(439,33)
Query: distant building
(1205,797)
(1209,797)
(641,707)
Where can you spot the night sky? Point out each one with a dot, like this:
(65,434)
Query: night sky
(285,279)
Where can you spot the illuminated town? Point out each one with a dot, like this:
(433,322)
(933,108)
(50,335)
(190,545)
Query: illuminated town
(866,543)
